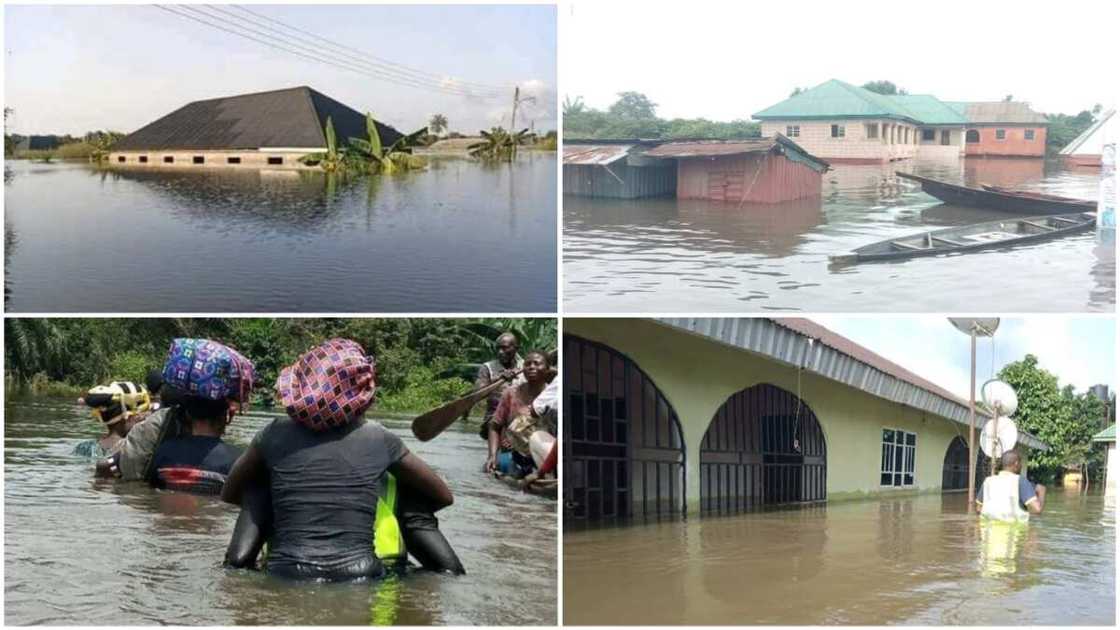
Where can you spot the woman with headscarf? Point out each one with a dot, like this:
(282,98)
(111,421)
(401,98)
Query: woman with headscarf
(325,466)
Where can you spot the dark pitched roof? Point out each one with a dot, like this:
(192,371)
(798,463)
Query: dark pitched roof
(292,117)
(999,112)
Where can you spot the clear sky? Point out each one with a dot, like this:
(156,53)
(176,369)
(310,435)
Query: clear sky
(1079,350)
(727,60)
(71,69)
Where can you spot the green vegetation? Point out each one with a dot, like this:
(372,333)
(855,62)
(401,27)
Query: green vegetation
(1061,417)
(634,115)
(499,144)
(417,359)
(884,87)
(367,154)
(1064,128)
(438,124)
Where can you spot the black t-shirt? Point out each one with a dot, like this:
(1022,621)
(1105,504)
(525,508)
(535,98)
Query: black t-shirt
(324,488)
(198,464)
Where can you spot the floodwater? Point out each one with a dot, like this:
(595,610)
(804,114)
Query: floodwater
(458,237)
(94,552)
(673,255)
(916,561)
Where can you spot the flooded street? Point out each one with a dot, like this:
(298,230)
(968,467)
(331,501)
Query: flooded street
(675,255)
(918,560)
(93,552)
(175,240)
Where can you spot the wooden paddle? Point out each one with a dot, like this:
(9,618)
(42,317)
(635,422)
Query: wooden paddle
(437,420)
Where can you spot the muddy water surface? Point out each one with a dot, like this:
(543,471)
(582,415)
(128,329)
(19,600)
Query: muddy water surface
(670,255)
(79,551)
(919,560)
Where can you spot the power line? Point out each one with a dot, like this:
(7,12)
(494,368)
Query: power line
(311,53)
(364,54)
(316,54)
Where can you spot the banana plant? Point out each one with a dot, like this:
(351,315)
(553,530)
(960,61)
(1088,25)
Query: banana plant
(332,159)
(397,157)
(498,144)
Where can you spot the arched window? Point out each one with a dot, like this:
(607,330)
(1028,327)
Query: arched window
(973,136)
(764,446)
(623,447)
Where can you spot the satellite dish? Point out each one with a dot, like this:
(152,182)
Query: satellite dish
(1000,397)
(982,326)
(994,442)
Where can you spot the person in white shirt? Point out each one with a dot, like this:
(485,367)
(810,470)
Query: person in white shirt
(1008,495)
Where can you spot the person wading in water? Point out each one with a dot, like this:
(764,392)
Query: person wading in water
(1008,495)
(325,466)
(514,422)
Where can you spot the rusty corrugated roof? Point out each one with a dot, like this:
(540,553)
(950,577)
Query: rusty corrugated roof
(595,154)
(999,112)
(712,148)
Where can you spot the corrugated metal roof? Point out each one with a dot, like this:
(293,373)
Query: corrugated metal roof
(929,109)
(836,358)
(996,112)
(836,99)
(293,117)
(595,154)
(1107,435)
(716,148)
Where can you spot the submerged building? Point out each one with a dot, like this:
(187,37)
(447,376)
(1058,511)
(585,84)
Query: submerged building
(756,170)
(664,417)
(264,129)
(842,122)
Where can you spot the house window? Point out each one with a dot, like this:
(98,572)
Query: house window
(945,137)
(169,159)
(120,158)
(233,160)
(838,131)
(972,137)
(897,465)
(143,159)
(872,131)
(1001,134)
(928,135)
(1028,134)
(275,160)
(198,159)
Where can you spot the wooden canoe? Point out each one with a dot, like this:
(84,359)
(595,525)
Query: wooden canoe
(1000,199)
(1037,195)
(970,238)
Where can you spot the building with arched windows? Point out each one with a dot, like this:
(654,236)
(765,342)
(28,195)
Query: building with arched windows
(665,417)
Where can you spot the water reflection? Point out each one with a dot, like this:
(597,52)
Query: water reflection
(212,239)
(655,254)
(84,551)
(915,560)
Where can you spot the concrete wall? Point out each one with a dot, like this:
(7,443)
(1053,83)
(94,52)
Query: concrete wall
(697,375)
(1013,144)
(895,140)
(185,159)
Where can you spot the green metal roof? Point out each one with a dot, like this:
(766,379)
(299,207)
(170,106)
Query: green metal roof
(1107,435)
(929,109)
(836,99)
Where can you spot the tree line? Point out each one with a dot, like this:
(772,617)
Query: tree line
(420,362)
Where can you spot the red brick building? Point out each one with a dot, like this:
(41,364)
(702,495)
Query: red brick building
(1003,128)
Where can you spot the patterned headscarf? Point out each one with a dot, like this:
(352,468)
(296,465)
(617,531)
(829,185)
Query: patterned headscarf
(328,386)
(200,367)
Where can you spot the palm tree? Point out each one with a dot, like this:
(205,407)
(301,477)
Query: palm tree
(32,345)
(480,340)
(438,124)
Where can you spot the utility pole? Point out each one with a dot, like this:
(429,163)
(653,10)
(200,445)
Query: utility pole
(972,429)
(513,121)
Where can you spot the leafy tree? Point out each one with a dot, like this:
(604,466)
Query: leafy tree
(573,107)
(1063,419)
(1008,98)
(795,92)
(633,106)
(1063,128)
(883,87)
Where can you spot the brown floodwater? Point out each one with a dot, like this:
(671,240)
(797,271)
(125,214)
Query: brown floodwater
(80,551)
(919,560)
(675,255)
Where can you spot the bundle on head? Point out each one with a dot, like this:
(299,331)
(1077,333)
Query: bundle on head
(328,386)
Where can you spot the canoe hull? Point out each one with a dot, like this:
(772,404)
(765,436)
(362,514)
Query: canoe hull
(967,239)
(998,200)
